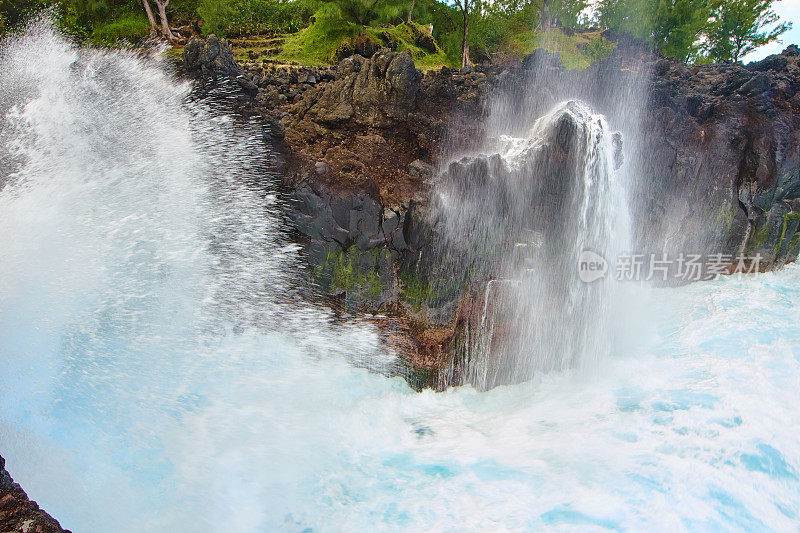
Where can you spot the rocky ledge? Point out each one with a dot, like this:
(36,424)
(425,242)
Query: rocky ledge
(18,513)
(719,158)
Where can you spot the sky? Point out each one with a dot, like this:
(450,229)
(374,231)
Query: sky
(788,11)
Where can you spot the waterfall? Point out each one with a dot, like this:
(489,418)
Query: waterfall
(529,215)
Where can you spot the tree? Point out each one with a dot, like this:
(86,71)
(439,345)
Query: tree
(162,14)
(161,5)
(465,7)
(740,26)
(150,18)
(561,12)
(678,26)
(635,16)
(544,15)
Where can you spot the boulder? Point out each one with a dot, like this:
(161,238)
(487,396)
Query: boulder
(376,91)
(212,60)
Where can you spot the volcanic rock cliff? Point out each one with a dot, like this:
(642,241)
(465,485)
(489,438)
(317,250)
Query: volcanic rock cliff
(718,160)
(18,513)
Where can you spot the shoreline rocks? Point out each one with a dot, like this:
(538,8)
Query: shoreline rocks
(20,514)
(364,140)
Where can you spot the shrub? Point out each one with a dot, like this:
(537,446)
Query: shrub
(129,27)
(319,42)
(215,15)
(241,17)
(599,49)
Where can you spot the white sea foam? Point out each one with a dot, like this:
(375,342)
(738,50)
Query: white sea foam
(154,379)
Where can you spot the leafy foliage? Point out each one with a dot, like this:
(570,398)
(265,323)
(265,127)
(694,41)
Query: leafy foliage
(697,31)
(598,49)
(634,16)
(678,26)
(567,12)
(740,26)
(576,52)
(13,12)
(130,27)
(243,17)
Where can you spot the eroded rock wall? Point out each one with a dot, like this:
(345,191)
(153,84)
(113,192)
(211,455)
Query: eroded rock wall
(716,167)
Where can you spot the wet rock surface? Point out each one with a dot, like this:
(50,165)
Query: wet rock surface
(18,514)
(725,156)
(719,157)
(211,60)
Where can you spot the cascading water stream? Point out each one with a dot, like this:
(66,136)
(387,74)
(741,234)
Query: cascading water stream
(536,207)
(161,373)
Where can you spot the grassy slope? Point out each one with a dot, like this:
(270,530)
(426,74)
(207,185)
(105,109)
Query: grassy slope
(403,35)
(318,43)
(577,51)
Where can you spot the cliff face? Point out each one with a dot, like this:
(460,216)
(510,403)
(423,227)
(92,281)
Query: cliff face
(18,513)
(717,166)
(725,156)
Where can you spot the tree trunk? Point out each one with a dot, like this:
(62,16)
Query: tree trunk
(150,17)
(162,14)
(544,17)
(739,45)
(410,11)
(464,44)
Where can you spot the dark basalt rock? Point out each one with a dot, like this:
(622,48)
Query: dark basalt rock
(213,58)
(776,62)
(18,513)
(541,58)
(718,146)
(375,91)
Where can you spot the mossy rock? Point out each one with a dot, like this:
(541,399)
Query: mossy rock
(362,44)
(364,277)
(423,39)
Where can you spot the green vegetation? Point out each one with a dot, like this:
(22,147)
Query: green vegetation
(351,270)
(234,18)
(758,238)
(413,39)
(576,52)
(738,27)
(130,27)
(696,30)
(318,43)
(415,290)
(434,32)
(330,36)
(787,219)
